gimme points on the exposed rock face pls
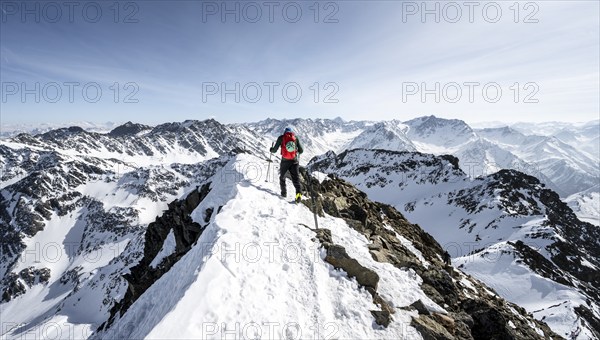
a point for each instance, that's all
(186, 231)
(338, 257)
(15, 283)
(471, 314)
(430, 329)
(128, 129)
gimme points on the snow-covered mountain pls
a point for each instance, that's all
(506, 229)
(71, 229)
(565, 165)
(199, 250)
(383, 135)
(566, 168)
(551, 128)
(436, 135)
(97, 227)
(586, 137)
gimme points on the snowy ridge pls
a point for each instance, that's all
(253, 247)
(221, 286)
(304, 292)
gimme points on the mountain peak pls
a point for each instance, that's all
(63, 132)
(128, 129)
(433, 132)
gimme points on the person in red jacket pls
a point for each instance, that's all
(290, 150)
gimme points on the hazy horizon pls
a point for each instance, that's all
(98, 124)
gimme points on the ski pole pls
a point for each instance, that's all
(269, 164)
(312, 199)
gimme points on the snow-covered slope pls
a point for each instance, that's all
(570, 169)
(230, 257)
(437, 135)
(389, 135)
(586, 205)
(506, 267)
(476, 217)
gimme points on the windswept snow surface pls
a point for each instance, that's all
(257, 272)
(586, 205)
(547, 300)
(167, 249)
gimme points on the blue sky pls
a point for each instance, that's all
(373, 60)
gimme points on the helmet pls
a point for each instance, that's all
(287, 129)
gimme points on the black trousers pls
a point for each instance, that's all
(294, 168)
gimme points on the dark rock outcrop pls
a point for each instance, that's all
(16, 284)
(478, 314)
(337, 256)
(177, 219)
(128, 129)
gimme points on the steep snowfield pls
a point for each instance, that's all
(89, 240)
(586, 205)
(435, 135)
(547, 300)
(257, 272)
(385, 135)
